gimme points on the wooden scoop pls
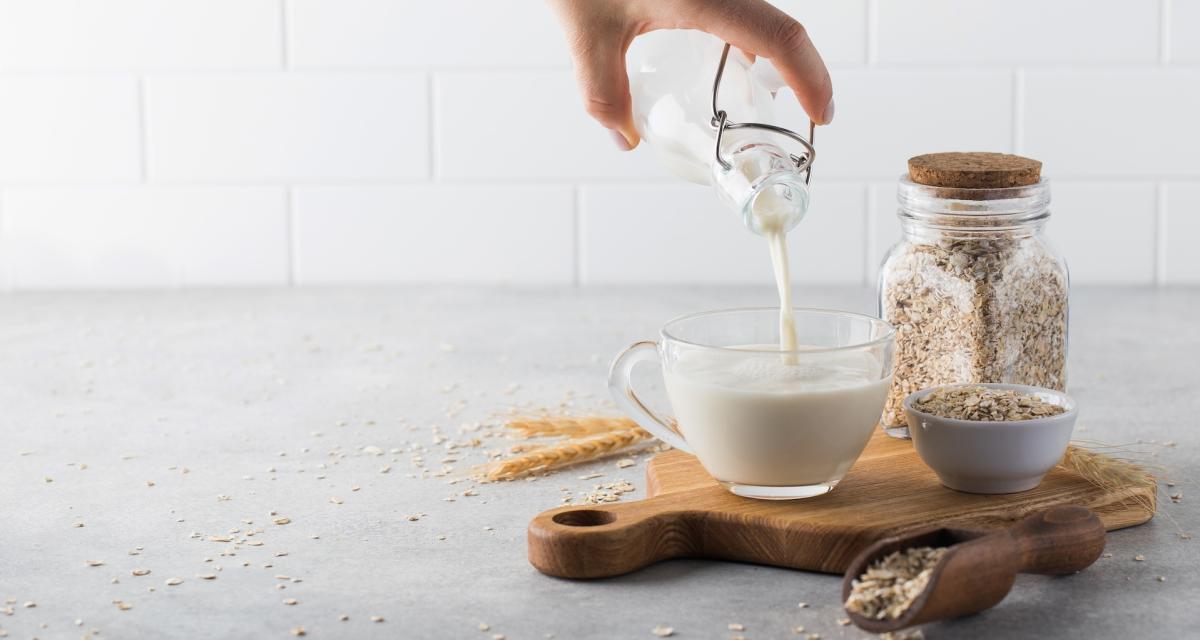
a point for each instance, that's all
(979, 567)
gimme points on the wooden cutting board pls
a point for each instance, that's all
(888, 492)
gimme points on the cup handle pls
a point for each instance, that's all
(621, 388)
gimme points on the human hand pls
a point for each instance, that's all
(599, 33)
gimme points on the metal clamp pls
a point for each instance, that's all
(721, 122)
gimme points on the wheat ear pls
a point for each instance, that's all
(562, 454)
(1110, 473)
(567, 426)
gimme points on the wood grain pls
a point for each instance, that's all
(889, 492)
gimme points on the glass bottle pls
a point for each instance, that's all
(975, 292)
(671, 77)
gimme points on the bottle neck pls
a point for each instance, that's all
(763, 186)
(933, 213)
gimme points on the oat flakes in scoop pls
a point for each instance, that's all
(985, 405)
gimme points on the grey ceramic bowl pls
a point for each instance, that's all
(992, 457)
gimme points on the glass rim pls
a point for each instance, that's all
(888, 334)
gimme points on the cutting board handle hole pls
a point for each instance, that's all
(584, 518)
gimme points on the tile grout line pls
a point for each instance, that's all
(143, 132)
(1165, 11)
(290, 222)
(1018, 115)
(284, 28)
(1160, 235)
(872, 35)
(432, 104)
(554, 182)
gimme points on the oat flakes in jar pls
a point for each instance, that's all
(973, 289)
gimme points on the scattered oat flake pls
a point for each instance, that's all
(1139, 558)
(171, 582)
(734, 626)
(344, 617)
(802, 605)
(336, 500)
(140, 572)
(906, 634)
(221, 538)
(291, 601)
(663, 631)
(625, 463)
(30, 604)
(483, 626)
(124, 606)
(95, 563)
(845, 622)
(798, 629)
(282, 521)
(299, 631)
(376, 618)
(206, 576)
(1161, 578)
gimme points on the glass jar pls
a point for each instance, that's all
(974, 291)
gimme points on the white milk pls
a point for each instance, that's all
(755, 420)
(771, 214)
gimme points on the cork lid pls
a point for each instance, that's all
(974, 170)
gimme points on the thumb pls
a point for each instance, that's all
(604, 85)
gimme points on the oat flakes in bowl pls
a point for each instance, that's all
(990, 438)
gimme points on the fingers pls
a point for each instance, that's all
(758, 27)
(598, 35)
(604, 85)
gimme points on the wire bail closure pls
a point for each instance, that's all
(721, 122)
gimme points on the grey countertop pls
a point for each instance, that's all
(204, 414)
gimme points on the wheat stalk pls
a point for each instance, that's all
(562, 454)
(1110, 473)
(572, 427)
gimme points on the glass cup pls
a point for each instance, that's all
(766, 423)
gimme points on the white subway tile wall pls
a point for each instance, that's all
(164, 143)
(1183, 19)
(665, 233)
(124, 35)
(1178, 251)
(144, 236)
(434, 233)
(968, 32)
(287, 128)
